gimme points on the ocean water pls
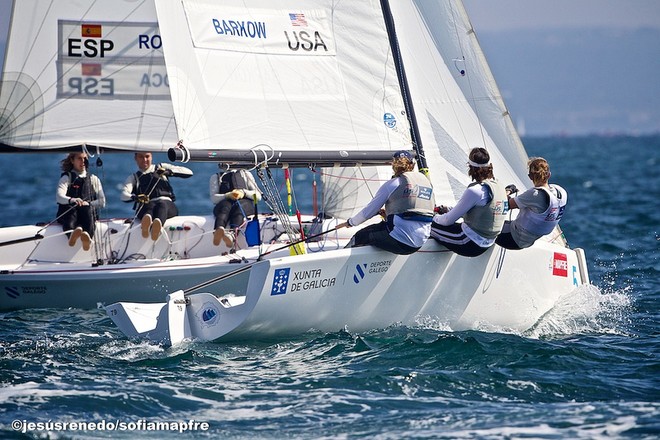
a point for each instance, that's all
(589, 369)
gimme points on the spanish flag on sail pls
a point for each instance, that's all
(91, 69)
(91, 30)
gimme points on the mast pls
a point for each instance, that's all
(403, 83)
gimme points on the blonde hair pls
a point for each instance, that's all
(402, 165)
(539, 170)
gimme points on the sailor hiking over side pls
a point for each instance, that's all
(541, 208)
(482, 206)
(408, 210)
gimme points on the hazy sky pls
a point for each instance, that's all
(489, 15)
(495, 15)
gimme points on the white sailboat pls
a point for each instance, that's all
(92, 75)
(261, 84)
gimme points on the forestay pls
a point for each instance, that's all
(297, 76)
(85, 73)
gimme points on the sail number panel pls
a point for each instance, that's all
(110, 60)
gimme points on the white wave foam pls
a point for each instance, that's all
(132, 351)
(585, 310)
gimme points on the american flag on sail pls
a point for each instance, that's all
(298, 19)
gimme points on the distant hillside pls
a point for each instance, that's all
(578, 81)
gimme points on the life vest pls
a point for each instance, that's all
(412, 199)
(543, 223)
(230, 181)
(153, 185)
(487, 221)
(80, 187)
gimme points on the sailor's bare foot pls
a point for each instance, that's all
(86, 241)
(156, 226)
(218, 235)
(75, 235)
(146, 224)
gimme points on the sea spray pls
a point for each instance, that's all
(587, 310)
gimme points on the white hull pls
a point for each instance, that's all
(498, 290)
(47, 273)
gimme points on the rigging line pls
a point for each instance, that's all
(267, 190)
(277, 205)
(87, 197)
(37, 245)
(135, 187)
(257, 148)
(336, 176)
(500, 262)
(91, 191)
(293, 191)
(249, 265)
(104, 238)
(97, 237)
(364, 179)
(468, 72)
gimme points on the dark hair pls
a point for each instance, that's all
(480, 155)
(67, 163)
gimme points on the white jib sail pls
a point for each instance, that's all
(457, 103)
(457, 107)
(85, 73)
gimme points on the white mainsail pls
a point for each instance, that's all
(85, 73)
(280, 75)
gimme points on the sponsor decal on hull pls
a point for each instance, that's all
(15, 292)
(208, 315)
(560, 265)
(364, 269)
(280, 281)
(300, 281)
